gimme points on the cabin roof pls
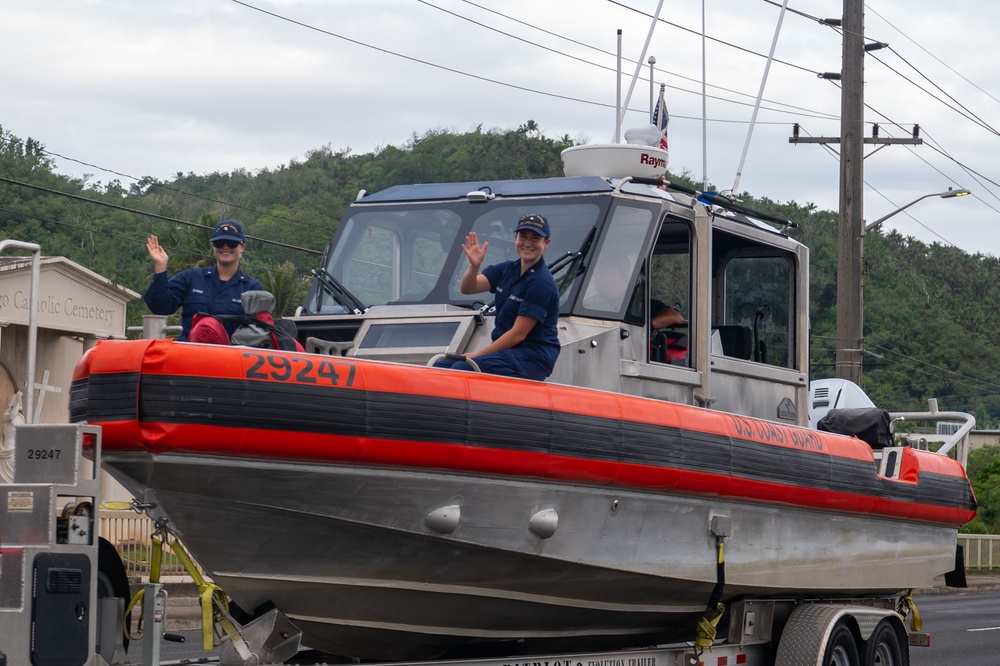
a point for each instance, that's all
(501, 188)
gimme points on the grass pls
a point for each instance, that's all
(139, 556)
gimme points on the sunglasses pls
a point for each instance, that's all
(231, 244)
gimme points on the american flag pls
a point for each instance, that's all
(661, 117)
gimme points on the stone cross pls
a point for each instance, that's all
(43, 388)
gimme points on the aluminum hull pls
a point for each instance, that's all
(355, 564)
(593, 532)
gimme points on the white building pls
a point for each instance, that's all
(76, 308)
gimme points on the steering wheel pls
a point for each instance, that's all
(454, 357)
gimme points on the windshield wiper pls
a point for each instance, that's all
(574, 259)
(339, 292)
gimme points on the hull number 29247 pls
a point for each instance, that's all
(303, 369)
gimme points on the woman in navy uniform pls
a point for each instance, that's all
(525, 336)
(215, 290)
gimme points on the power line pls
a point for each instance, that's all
(513, 85)
(917, 44)
(247, 5)
(81, 227)
(968, 115)
(715, 39)
(835, 155)
(919, 365)
(414, 59)
(967, 168)
(156, 183)
(813, 113)
(146, 214)
(109, 234)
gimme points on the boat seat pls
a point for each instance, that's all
(737, 341)
(669, 346)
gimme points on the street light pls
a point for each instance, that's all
(850, 300)
(944, 195)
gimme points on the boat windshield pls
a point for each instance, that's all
(411, 253)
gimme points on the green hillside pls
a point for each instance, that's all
(930, 310)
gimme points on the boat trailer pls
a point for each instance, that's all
(64, 594)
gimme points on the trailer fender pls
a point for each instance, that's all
(807, 633)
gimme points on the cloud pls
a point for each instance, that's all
(187, 86)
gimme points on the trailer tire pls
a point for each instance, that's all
(112, 579)
(841, 648)
(885, 647)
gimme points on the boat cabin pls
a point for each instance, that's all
(388, 287)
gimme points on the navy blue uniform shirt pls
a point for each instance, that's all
(534, 295)
(198, 290)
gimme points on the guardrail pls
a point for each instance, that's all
(982, 551)
(131, 535)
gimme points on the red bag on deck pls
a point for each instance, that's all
(209, 330)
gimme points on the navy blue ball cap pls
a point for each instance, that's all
(229, 230)
(534, 222)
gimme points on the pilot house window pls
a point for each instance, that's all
(757, 317)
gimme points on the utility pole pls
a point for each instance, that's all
(850, 261)
(850, 246)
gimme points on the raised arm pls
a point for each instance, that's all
(472, 281)
(157, 254)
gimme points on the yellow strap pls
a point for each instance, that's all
(214, 602)
(708, 624)
(185, 559)
(155, 561)
(707, 627)
(206, 591)
(207, 611)
(908, 606)
(210, 595)
(228, 628)
(136, 598)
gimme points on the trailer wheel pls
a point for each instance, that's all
(112, 580)
(885, 648)
(842, 649)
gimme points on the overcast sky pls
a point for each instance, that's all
(148, 88)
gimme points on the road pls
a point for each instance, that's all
(964, 629)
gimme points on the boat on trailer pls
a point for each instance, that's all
(393, 510)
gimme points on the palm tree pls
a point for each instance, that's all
(288, 288)
(191, 246)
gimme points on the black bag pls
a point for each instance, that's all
(869, 424)
(258, 328)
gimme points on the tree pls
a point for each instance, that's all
(930, 310)
(983, 469)
(986, 485)
(289, 289)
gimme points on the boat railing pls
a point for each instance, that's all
(959, 440)
(154, 327)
